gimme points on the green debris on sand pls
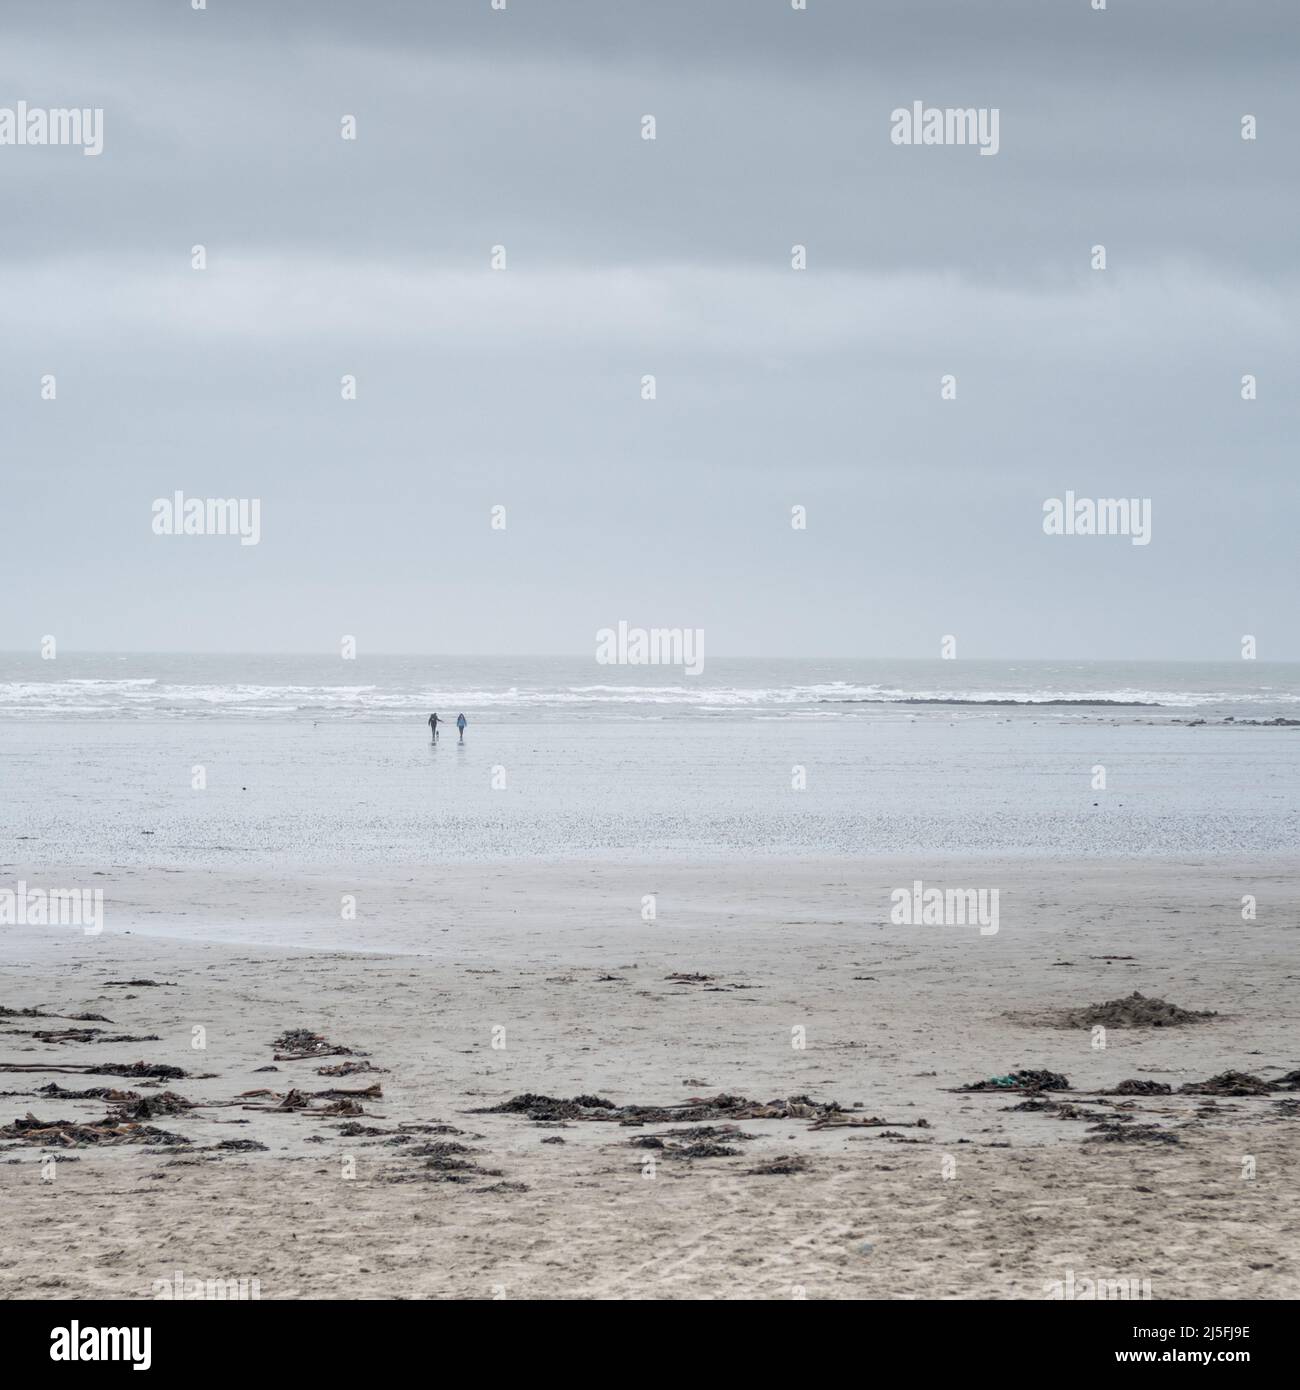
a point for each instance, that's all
(1021, 1081)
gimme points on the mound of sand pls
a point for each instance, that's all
(1135, 1011)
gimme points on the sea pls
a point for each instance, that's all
(260, 760)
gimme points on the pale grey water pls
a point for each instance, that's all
(318, 761)
(395, 688)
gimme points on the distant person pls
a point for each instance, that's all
(461, 721)
(433, 724)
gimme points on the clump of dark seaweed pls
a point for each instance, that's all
(1021, 1081)
(719, 1107)
(1133, 1087)
(1229, 1083)
(68, 1133)
(296, 1044)
(147, 1107)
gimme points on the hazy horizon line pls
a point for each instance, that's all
(588, 656)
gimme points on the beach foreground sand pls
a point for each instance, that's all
(493, 981)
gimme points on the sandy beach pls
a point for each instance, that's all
(480, 983)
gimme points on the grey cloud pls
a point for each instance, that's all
(673, 257)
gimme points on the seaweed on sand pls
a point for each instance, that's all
(297, 1044)
(1229, 1083)
(720, 1107)
(783, 1164)
(89, 1035)
(69, 1133)
(1116, 1132)
(1021, 1081)
(147, 1107)
(1133, 1087)
(156, 1070)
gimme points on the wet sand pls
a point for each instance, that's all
(479, 983)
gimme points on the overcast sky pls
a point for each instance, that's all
(523, 388)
